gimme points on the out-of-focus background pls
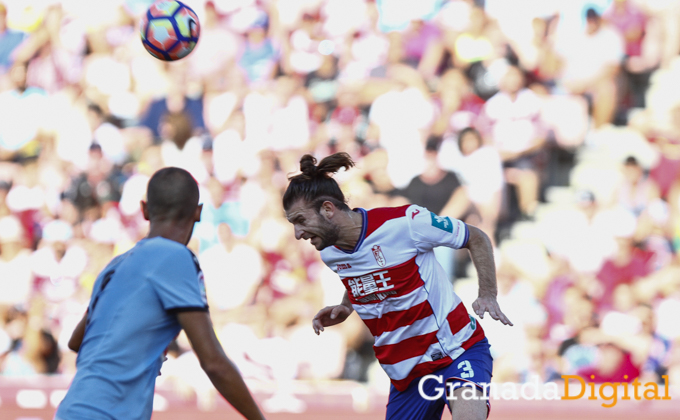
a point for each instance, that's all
(552, 125)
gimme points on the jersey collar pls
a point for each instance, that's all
(362, 236)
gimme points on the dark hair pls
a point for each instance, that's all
(472, 130)
(631, 161)
(50, 352)
(316, 184)
(591, 14)
(181, 127)
(172, 194)
(433, 143)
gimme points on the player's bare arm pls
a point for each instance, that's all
(77, 337)
(332, 315)
(481, 253)
(221, 371)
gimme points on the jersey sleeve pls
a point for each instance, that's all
(429, 230)
(179, 282)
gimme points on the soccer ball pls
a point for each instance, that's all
(169, 30)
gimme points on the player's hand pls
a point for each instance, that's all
(330, 315)
(489, 304)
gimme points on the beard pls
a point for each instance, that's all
(328, 234)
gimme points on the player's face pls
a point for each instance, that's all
(311, 225)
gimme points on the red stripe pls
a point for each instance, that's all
(390, 354)
(426, 368)
(404, 278)
(376, 217)
(393, 320)
(458, 318)
(477, 336)
(421, 369)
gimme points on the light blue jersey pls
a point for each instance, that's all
(131, 320)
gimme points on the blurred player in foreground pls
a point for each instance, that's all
(139, 303)
(385, 260)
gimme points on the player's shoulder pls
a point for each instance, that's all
(387, 213)
(168, 250)
(421, 218)
(376, 218)
(406, 213)
(164, 243)
(416, 213)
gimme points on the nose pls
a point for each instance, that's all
(298, 233)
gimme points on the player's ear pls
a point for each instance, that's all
(197, 213)
(327, 209)
(145, 210)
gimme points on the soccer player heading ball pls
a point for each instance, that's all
(386, 262)
(139, 303)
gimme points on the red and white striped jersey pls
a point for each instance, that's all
(401, 292)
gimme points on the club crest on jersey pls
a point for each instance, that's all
(379, 256)
(442, 222)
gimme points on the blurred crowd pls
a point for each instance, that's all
(554, 126)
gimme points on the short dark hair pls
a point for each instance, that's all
(316, 184)
(433, 143)
(172, 194)
(631, 161)
(591, 14)
(472, 130)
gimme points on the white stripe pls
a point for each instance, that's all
(419, 327)
(440, 292)
(391, 304)
(450, 341)
(399, 371)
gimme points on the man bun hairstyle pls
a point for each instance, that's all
(172, 194)
(315, 183)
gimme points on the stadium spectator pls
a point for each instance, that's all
(457, 105)
(480, 51)
(628, 265)
(436, 188)
(19, 135)
(34, 350)
(9, 41)
(260, 56)
(400, 119)
(537, 54)
(231, 253)
(52, 63)
(58, 263)
(439, 191)
(419, 42)
(510, 121)
(175, 102)
(15, 263)
(322, 85)
(277, 119)
(480, 170)
(642, 36)
(636, 190)
(219, 208)
(216, 52)
(591, 65)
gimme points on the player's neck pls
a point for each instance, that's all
(178, 232)
(350, 232)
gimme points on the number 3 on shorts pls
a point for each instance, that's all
(467, 369)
